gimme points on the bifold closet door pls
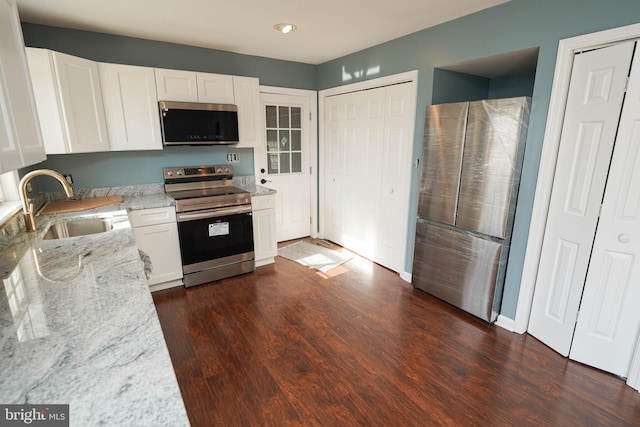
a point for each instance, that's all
(591, 120)
(367, 162)
(588, 286)
(609, 320)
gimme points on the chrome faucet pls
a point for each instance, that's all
(27, 207)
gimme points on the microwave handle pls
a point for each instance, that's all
(212, 213)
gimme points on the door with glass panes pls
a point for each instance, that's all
(283, 162)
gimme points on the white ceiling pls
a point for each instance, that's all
(327, 29)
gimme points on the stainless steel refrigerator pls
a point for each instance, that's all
(471, 164)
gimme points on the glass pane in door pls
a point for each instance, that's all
(271, 115)
(284, 139)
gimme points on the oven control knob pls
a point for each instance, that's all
(218, 170)
(169, 173)
(226, 170)
(178, 172)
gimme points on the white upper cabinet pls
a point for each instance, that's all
(20, 140)
(215, 88)
(131, 107)
(247, 97)
(69, 102)
(176, 85)
(190, 86)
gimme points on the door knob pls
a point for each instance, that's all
(264, 181)
(624, 238)
(262, 170)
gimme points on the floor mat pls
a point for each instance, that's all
(314, 256)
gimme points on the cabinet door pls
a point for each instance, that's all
(81, 99)
(264, 236)
(250, 122)
(20, 140)
(131, 107)
(161, 243)
(176, 85)
(46, 97)
(215, 88)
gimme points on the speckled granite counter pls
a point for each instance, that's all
(78, 326)
(248, 183)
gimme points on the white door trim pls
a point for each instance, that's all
(406, 77)
(564, 61)
(313, 144)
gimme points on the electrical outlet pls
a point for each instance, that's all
(69, 178)
(233, 157)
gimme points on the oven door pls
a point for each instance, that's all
(215, 236)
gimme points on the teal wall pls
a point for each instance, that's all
(95, 170)
(513, 26)
(449, 86)
(148, 53)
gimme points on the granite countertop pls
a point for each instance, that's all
(79, 327)
(257, 190)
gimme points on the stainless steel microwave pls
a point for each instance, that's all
(193, 123)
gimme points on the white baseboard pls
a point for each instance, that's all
(405, 276)
(265, 261)
(506, 323)
(166, 285)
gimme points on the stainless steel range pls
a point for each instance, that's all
(215, 225)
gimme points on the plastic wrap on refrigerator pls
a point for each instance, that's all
(458, 268)
(472, 160)
(443, 143)
(491, 164)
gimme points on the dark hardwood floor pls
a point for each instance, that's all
(358, 346)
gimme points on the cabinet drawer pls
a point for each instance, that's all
(263, 202)
(144, 217)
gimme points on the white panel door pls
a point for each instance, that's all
(246, 92)
(283, 162)
(215, 88)
(335, 141)
(131, 107)
(161, 243)
(394, 191)
(82, 104)
(368, 163)
(589, 130)
(364, 127)
(176, 85)
(609, 320)
(20, 139)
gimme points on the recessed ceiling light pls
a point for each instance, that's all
(285, 28)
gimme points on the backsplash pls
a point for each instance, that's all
(125, 190)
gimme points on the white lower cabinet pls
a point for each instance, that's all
(156, 234)
(264, 229)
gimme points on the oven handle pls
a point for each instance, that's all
(212, 213)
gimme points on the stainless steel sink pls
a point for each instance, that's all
(78, 227)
